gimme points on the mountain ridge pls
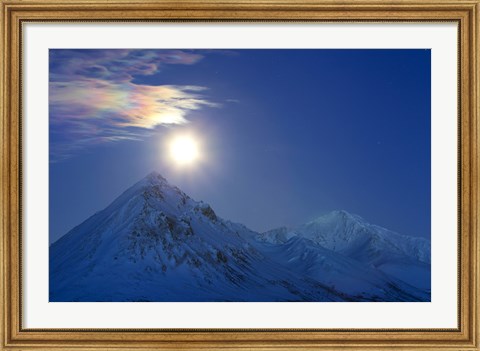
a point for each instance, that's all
(354, 237)
(155, 243)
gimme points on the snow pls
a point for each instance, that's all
(155, 243)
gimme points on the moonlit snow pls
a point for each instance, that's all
(155, 243)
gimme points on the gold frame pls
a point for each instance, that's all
(16, 12)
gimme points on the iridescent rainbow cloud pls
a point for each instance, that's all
(93, 97)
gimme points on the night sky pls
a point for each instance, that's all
(285, 135)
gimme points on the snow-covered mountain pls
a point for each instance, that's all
(155, 243)
(404, 257)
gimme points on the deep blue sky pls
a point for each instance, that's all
(287, 134)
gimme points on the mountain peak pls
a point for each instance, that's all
(339, 215)
(155, 177)
(154, 180)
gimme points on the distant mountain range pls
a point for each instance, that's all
(155, 243)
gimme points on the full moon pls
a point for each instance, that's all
(184, 150)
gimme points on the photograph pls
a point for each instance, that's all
(239, 175)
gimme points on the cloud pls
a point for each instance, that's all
(94, 97)
(113, 64)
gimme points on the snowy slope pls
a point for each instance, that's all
(155, 243)
(360, 281)
(403, 257)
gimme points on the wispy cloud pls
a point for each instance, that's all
(94, 98)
